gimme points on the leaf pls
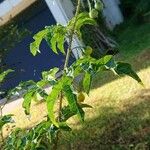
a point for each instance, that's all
(4, 74)
(85, 106)
(27, 101)
(42, 83)
(22, 86)
(82, 19)
(42, 93)
(126, 69)
(79, 17)
(67, 113)
(104, 60)
(58, 38)
(38, 37)
(83, 15)
(87, 82)
(72, 101)
(85, 21)
(60, 43)
(51, 99)
(50, 75)
(54, 43)
(5, 119)
(48, 36)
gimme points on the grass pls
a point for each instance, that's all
(133, 39)
(120, 118)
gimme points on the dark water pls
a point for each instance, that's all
(21, 60)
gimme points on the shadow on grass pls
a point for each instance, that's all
(115, 129)
(139, 62)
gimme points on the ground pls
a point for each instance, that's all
(120, 117)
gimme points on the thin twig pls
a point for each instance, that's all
(71, 35)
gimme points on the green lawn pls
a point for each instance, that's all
(120, 117)
(133, 39)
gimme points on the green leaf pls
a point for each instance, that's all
(27, 101)
(49, 34)
(38, 37)
(85, 106)
(42, 93)
(54, 43)
(87, 82)
(67, 113)
(126, 69)
(71, 98)
(104, 60)
(52, 97)
(60, 43)
(51, 100)
(79, 17)
(4, 74)
(5, 119)
(50, 75)
(82, 19)
(85, 21)
(72, 101)
(83, 15)
(42, 83)
(58, 38)
(22, 86)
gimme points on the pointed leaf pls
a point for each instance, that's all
(60, 43)
(5, 119)
(126, 69)
(85, 105)
(38, 37)
(27, 101)
(104, 60)
(50, 75)
(54, 43)
(4, 74)
(85, 21)
(51, 100)
(72, 101)
(58, 38)
(67, 113)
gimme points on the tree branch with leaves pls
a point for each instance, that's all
(65, 93)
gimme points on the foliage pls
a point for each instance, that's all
(135, 9)
(12, 30)
(46, 134)
(6, 118)
(4, 74)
